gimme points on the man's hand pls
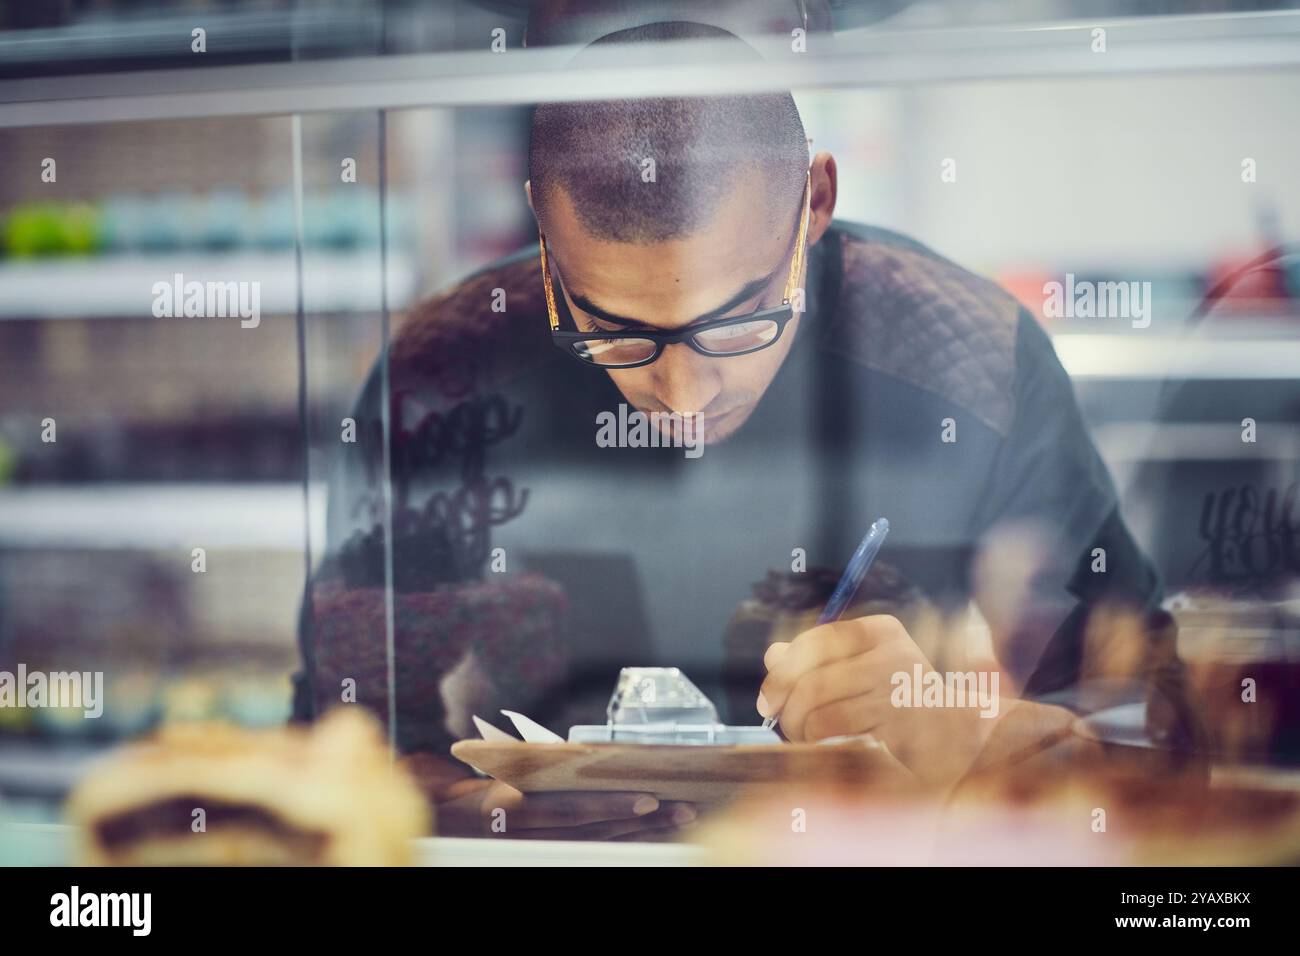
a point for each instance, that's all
(834, 680)
(495, 809)
(474, 806)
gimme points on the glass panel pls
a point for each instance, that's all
(346, 623)
(123, 36)
(580, 537)
(151, 519)
(283, 429)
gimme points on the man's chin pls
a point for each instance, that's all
(718, 428)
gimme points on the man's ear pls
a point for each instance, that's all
(825, 189)
(528, 194)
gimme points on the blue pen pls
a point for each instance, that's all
(850, 581)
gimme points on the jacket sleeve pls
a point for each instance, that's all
(1089, 633)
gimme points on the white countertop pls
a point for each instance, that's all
(48, 844)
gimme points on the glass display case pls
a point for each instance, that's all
(282, 426)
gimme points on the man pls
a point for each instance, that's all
(810, 376)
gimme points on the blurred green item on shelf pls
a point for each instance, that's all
(32, 230)
(221, 220)
(81, 229)
(16, 720)
(8, 463)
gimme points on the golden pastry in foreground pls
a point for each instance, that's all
(1070, 817)
(322, 795)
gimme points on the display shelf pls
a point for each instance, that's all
(1137, 355)
(120, 286)
(159, 517)
(35, 770)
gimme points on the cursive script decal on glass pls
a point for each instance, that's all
(1250, 535)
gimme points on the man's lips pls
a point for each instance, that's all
(708, 414)
(703, 423)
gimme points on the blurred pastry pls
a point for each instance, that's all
(1027, 817)
(216, 794)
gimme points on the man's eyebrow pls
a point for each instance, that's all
(747, 292)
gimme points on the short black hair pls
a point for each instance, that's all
(595, 152)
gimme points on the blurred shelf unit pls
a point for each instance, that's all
(1271, 352)
(30, 768)
(98, 248)
(1124, 443)
(121, 286)
(108, 517)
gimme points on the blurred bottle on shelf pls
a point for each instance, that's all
(32, 230)
(219, 221)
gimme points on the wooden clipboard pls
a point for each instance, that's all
(699, 774)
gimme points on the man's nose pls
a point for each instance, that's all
(686, 381)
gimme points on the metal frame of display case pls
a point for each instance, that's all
(856, 58)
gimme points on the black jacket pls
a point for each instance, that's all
(619, 556)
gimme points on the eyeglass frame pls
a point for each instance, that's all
(781, 314)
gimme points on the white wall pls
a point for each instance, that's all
(1074, 173)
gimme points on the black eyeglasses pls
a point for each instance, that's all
(737, 335)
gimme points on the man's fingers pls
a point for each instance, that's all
(664, 824)
(770, 657)
(668, 817)
(817, 647)
(565, 809)
(838, 681)
(854, 715)
(774, 652)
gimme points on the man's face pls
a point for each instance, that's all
(736, 264)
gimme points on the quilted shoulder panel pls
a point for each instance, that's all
(458, 342)
(901, 311)
(908, 313)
